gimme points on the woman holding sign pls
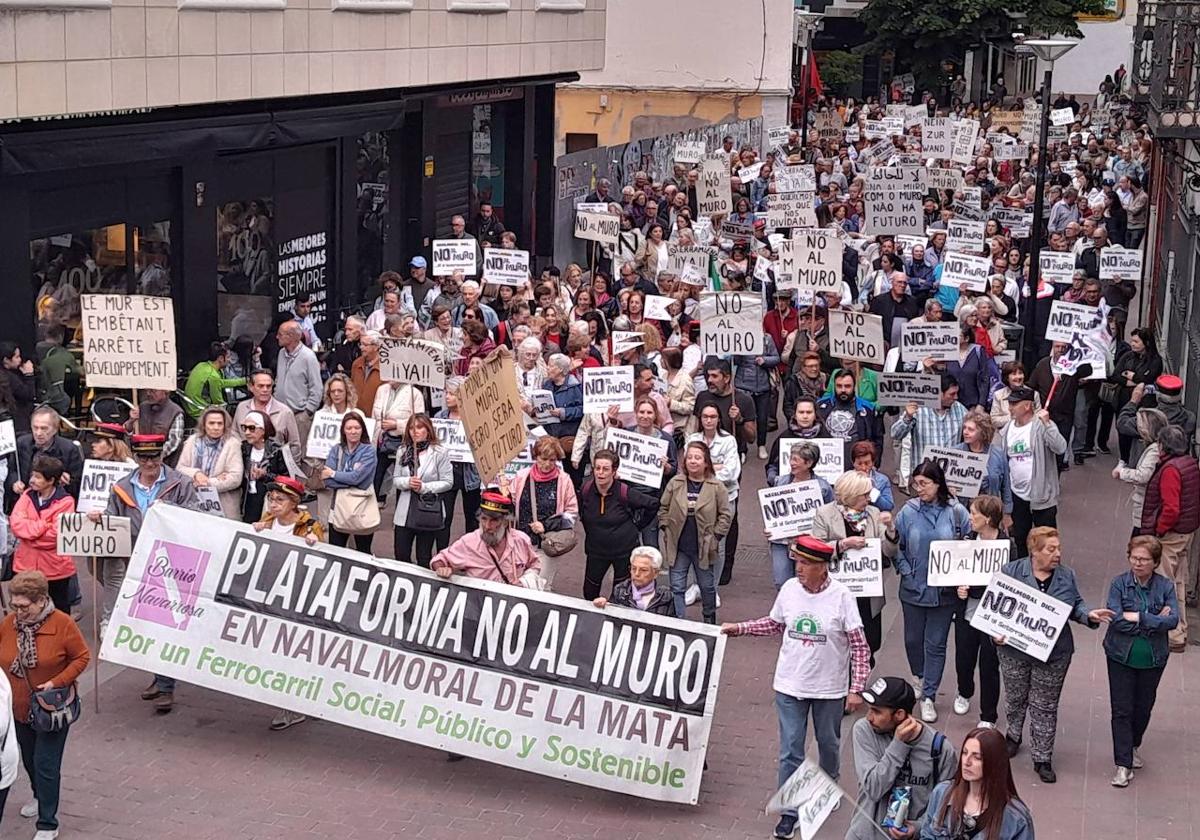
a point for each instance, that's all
(1033, 687)
(211, 458)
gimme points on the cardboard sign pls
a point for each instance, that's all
(811, 793)
(681, 257)
(963, 147)
(451, 255)
(79, 536)
(1061, 116)
(937, 137)
(788, 511)
(900, 389)
(1029, 620)
(656, 307)
(1067, 320)
(791, 210)
(490, 404)
(598, 227)
(8, 437)
(966, 271)
(731, 324)
(930, 341)
(829, 125)
(96, 483)
(796, 179)
(690, 151)
(1010, 120)
(452, 435)
(894, 209)
(208, 501)
(944, 179)
(412, 361)
(833, 456)
(607, 386)
(505, 266)
(856, 335)
(640, 455)
(811, 259)
(1120, 264)
(1031, 122)
(713, 187)
(964, 470)
(128, 341)
(964, 235)
(966, 562)
(861, 569)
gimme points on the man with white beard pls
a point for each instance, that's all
(495, 551)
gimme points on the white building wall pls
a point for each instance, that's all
(1105, 45)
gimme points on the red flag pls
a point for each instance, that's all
(815, 88)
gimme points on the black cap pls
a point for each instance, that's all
(1020, 394)
(891, 693)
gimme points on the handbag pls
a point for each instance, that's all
(1110, 392)
(425, 512)
(52, 709)
(354, 511)
(554, 543)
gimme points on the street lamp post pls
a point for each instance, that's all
(1048, 50)
(804, 24)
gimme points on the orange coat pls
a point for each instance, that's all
(37, 535)
(62, 657)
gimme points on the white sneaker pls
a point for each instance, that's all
(928, 712)
(30, 809)
(762, 453)
(718, 600)
(1138, 764)
(961, 705)
(46, 834)
(918, 683)
(692, 595)
(985, 724)
(103, 630)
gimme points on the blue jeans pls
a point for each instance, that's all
(793, 730)
(165, 685)
(783, 568)
(926, 630)
(705, 579)
(650, 533)
(42, 754)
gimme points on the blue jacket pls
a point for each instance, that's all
(354, 470)
(995, 482)
(1017, 825)
(1125, 595)
(918, 524)
(752, 378)
(569, 397)
(884, 501)
(1062, 587)
(974, 379)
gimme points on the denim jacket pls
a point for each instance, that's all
(1062, 587)
(1017, 825)
(356, 469)
(995, 481)
(919, 524)
(1123, 597)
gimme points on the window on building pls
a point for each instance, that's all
(245, 267)
(581, 142)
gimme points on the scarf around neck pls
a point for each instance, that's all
(27, 656)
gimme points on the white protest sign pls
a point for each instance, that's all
(962, 149)
(324, 434)
(964, 235)
(906, 241)
(929, 341)
(964, 470)
(966, 271)
(789, 510)
(713, 190)
(451, 255)
(811, 793)
(937, 137)
(875, 129)
(833, 456)
(453, 437)
(1083, 350)
(791, 210)
(505, 266)
(1010, 151)
(598, 227)
(796, 179)
(893, 201)
(542, 403)
(878, 154)
(1058, 266)
(605, 386)
(1029, 620)
(641, 456)
(856, 335)
(625, 340)
(1031, 120)
(690, 151)
(592, 207)
(972, 196)
(966, 562)
(914, 115)
(811, 259)
(829, 125)
(8, 437)
(128, 341)
(860, 569)
(209, 502)
(96, 483)
(731, 324)
(1120, 264)
(1070, 319)
(79, 536)
(778, 136)
(1061, 116)
(746, 174)
(657, 307)
(944, 179)
(412, 361)
(680, 257)
(899, 389)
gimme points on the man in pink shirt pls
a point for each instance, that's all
(495, 551)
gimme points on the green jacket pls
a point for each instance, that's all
(206, 386)
(60, 378)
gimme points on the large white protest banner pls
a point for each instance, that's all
(451, 255)
(899, 389)
(520, 678)
(452, 435)
(412, 361)
(856, 335)
(731, 324)
(605, 386)
(964, 235)
(860, 569)
(8, 437)
(690, 151)
(128, 341)
(795, 179)
(713, 190)
(789, 510)
(811, 794)
(943, 179)
(893, 201)
(641, 457)
(1120, 264)
(937, 137)
(1068, 320)
(657, 307)
(966, 271)
(505, 266)
(79, 536)
(326, 432)
(929, 341)
(490, 404)
(681, 257)
(833, 456)
(966, 562)
(1029, 620)
(964, 470)
(96, 483)
(1057, 266)
(962, 148)
(791, 210)
(598, 227)
(811, 259)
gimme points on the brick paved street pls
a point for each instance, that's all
(212, 769)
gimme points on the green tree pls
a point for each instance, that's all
(925, 33)
(841, 71)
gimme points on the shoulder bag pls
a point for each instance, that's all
(52, 709)
(554, 543)
(426, 511)
(354, 511)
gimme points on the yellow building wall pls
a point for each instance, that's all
(633, 115)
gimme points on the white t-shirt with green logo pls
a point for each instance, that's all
(814, 657)
(1020, 458)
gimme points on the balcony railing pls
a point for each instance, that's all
(1143, 50)
(1174, 78)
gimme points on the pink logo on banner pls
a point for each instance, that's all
(170, 585)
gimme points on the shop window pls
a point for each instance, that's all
(245, 267)
(371, 172)
(152, 259)
(487, 160)
(478, 5)
(560, 5)
(67, 265)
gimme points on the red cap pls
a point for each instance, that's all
(812, 548)
(1170, 384)
(110, 430)
(147, 444)
(287, 484)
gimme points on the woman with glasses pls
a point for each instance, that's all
(981, 801)
(262, 462)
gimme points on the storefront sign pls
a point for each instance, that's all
(856, 335)
(641, 457)
(96, 483)
(79, 536)
(303, 267)
(860, 569)
(900, 389)
(453, 438)
(788, 511)
(482, 96)
(129, 341)
(490, 404)
(964, 470)
(523, 679)
(607, 386)
(505, 266)
(412, 361)
(1029, 620)
(929, 341)
(966, 562)
(451, 255)
(731, 324)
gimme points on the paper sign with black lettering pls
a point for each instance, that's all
(860, 569)
(453, 438)
(900, 389)
(731, 324)
(1011, 151)
(966, 562)
(1067, 320)
(1057, 266)
(811, 794)
(1084, 349)
(97, 481)
(208, 501)
(8, 437)
(598, 227)
(490, 404)
(607, 386)
(962, 149)
(326, 433)
(812, 260)
(905, 243)
(789, 510)
(625, 340)
(1031, 120)
(791, 210)
(680, 257)
(829, 125)
(79, 536)
(937, 137)
(713, 190)
(795, 179)
(856, 335)
(690, 151)
(778, 136)
(966, 271)
(929, 341)
(128, 341)
(943, 179)
(964, 235)
(505, 266)
(914, 115)
(1029, 620)
(657, 307)
(641, 456)
(964, 470)
(1120, 264)
(451, 255)
(1061, 116)
(893, 201)
(833, 456)
(412, 361)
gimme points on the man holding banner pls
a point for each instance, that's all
(495, 551)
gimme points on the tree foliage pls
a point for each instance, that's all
(841, 71)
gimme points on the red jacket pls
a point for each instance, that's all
(778, 328)
(1172, 498)
(37, 535)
